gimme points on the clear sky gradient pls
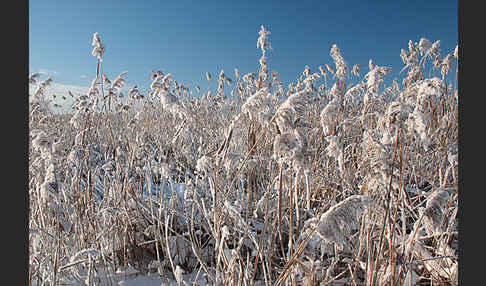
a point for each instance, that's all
(189, 38)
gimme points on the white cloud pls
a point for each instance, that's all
(44, 72)
(61, 90)
(83, 76)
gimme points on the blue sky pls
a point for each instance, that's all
(189, 38)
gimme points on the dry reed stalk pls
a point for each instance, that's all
(291, 219)
(251, 189)
(296, 201)
(293, 259)
(280, 202)
(384, 223)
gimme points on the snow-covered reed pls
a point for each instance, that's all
(329, 180)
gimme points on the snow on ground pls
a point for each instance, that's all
(155, 280)
(132, 277)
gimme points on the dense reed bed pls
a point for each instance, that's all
(333, 180)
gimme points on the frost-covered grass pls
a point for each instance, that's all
(333, 179)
